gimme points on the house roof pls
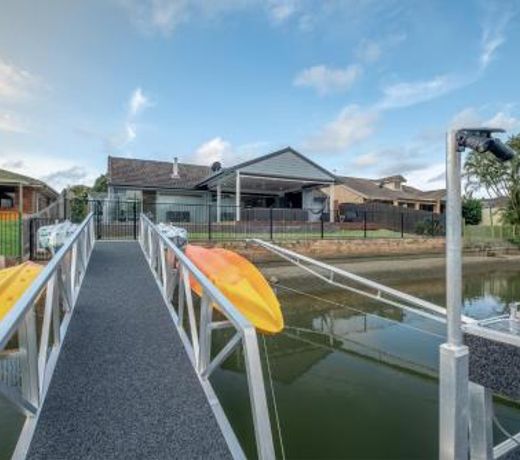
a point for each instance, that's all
(154, 174)
(10, 177)
(374, 190)
(498, 202)
(287, 150)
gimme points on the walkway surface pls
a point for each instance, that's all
(123, 386)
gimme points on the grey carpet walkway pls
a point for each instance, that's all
(123, 385)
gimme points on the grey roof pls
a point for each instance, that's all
(10, 177)
(154, 174)
(285, 150)
(374, 190)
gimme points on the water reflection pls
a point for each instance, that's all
(357, 379)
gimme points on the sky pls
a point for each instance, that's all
(363, 87)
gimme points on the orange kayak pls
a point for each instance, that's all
(241, 283)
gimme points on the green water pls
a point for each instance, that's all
(348, 383)
(353, 385)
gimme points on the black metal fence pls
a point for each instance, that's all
(118, 219)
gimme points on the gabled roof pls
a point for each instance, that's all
(246, 165)
(372, 189)
(10, 177)
(154, 174)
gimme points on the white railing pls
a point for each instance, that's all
(173, 272)
(55, 290)
(376, 291)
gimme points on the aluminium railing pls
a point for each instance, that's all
(173, 270)
(376, 291)
(56, 288)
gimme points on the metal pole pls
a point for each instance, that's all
(209, 222)
(135, 220)
(453, 369)
(402, 224)
(331, 203)
(322, 225)
(365, 223)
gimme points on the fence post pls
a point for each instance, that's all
(209, 222)
(135, 219)
(402, 224)
(365, 223)
(98, 207)
(31, 238)
(322, 226)
(271, 223)
(65, 206)
(433, 224)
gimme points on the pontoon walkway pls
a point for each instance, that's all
(124, 386)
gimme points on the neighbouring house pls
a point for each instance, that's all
(493, 210)
(388, 190)
(283, 179)
(24, 194)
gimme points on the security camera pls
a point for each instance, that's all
(481, 140)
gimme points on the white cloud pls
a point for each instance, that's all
(138, 102)
(352, 125)
(472, 117)
(216, 149)
(368, 159)
(326, 80)
(281, 10)
(505, 121)
(57, 171)
(406, 94)
(11, 123)
(431, 177)
(15, 83)
(496, 19)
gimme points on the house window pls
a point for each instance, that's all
(426, 207)
(7, 198)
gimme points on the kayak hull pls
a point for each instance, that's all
(241, 283)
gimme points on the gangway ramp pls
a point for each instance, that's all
(123, 386)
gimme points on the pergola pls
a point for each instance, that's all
(274, 175)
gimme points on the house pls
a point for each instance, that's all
(24, 194)
(493, 210)
(389, 190)
(282, 179)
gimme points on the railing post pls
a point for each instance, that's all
(29, 347)
(206, 311)
(255, 381)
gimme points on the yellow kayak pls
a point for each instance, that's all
(13, 283)
(241, 283)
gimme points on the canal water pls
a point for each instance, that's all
(351, 378)
(355, 379)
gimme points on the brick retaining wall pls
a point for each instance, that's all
(341, 249)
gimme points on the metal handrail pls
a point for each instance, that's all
(60, 280)
(433, 311)
(172, 269)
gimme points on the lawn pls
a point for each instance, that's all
(9, 238)
(301, 235)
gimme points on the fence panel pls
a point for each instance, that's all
(10, 234)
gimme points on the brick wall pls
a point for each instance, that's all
(341, 249)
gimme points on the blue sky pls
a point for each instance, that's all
(365, 88)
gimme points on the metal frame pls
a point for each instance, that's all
(381, 293)
(172, 269)
(60, 281)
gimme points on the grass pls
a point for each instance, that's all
(301, 235)
(9, 238)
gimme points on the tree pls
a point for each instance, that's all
(472, 211)
(101, 184)
(484, 171)
(78, 202)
